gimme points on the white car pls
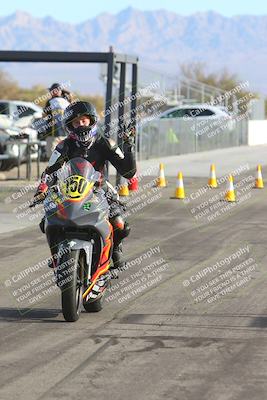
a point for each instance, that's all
(201, 112)
(195, 111)
(16, 118)
(20, 111)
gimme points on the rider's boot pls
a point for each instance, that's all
(120, 232)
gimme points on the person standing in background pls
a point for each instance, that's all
(67, 95)
(53, 111)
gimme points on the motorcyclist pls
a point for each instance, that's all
(84, 140)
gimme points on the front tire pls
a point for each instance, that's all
(69, 272)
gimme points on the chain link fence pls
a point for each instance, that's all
(168, 137)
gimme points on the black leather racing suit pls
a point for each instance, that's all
(101, 151)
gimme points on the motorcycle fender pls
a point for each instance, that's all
(77, 244)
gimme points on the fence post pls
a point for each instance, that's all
(38, 160)
(121, 124)
(196, 137)
(19, 159)
(29, 169)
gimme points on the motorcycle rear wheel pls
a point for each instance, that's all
(95, 306)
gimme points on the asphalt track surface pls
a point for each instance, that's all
(193, 327)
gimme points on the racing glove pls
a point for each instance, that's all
(41, 190)
(129, 134)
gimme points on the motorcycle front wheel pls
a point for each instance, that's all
(70, 281)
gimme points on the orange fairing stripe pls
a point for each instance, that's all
(104, 262)
(105, 256)
(96, 276)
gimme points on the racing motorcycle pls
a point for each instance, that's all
(81, 236)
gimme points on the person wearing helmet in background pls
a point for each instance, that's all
(53, 112)
(84, 140)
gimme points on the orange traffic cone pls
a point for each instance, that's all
(161, 181)
(259, 181)
(230, 192)
(179, 191)
(212, 180)
(124, 191)
(133, 183)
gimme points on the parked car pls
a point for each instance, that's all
(16, 128)
(201, 112)
(22, 111)
(13, 142)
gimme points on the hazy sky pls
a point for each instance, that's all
(80, 10)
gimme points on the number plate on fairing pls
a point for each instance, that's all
(76, 187)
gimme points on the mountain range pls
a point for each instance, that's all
(162, 39)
